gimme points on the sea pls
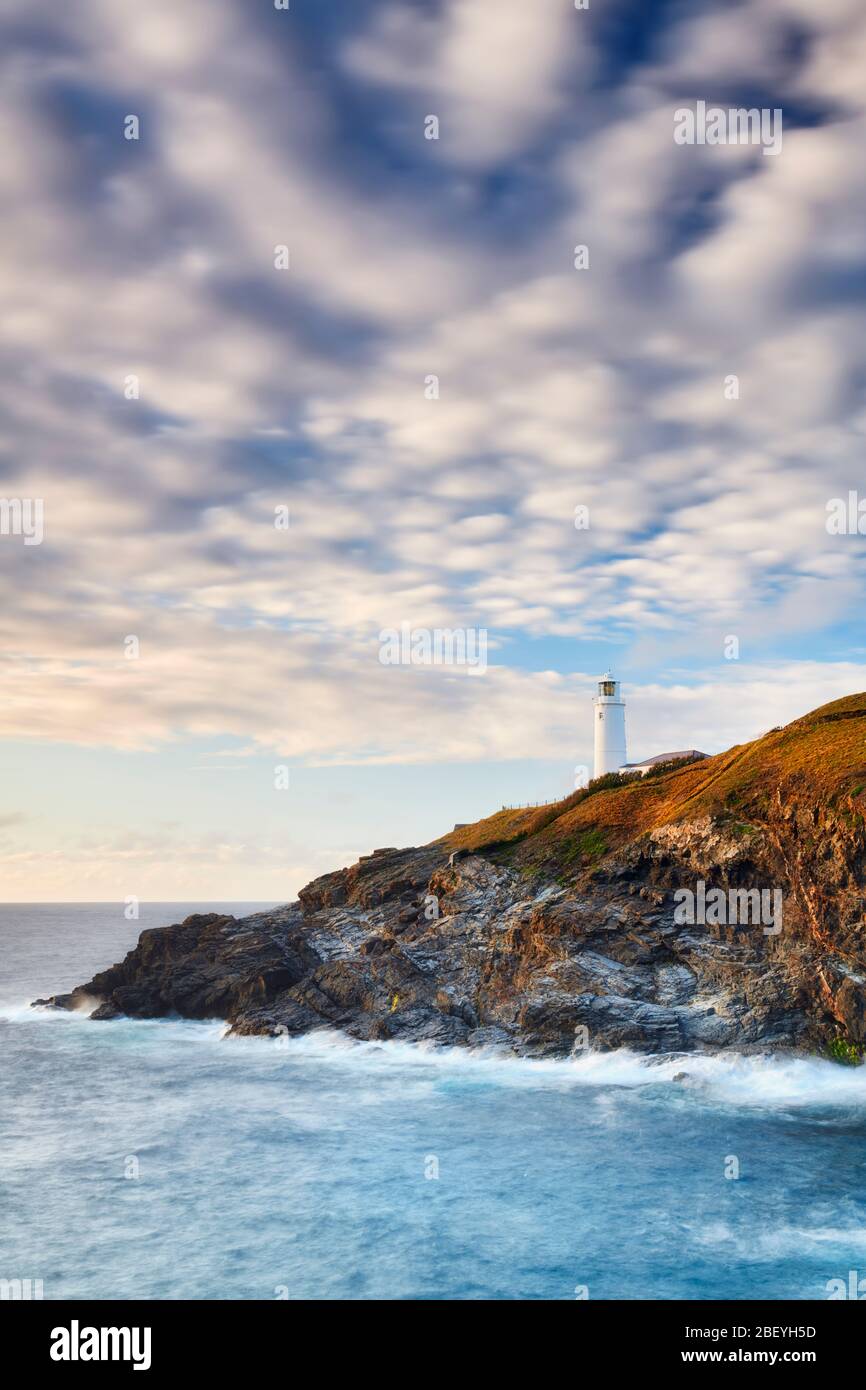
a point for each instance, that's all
(163, 1160)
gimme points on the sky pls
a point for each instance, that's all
(287, 371)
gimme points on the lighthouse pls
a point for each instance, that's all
(609, 722)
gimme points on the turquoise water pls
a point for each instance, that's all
(160, 1159)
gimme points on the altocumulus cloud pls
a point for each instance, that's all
(452, 258)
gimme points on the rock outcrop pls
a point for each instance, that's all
(562, 933)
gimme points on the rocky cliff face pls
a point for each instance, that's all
(404, 945)
(563, 934)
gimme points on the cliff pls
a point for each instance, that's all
(566, 927)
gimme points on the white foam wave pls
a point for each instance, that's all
(730, 1077)
(726, 1078)
(784, 1242)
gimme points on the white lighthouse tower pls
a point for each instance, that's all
(609, 722)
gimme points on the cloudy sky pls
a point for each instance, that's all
(259, 388)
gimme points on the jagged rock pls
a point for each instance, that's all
(493, 967)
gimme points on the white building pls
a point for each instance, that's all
(648, 763)
(609, 723)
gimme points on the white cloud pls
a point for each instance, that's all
(493, 74)
(559, 387)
